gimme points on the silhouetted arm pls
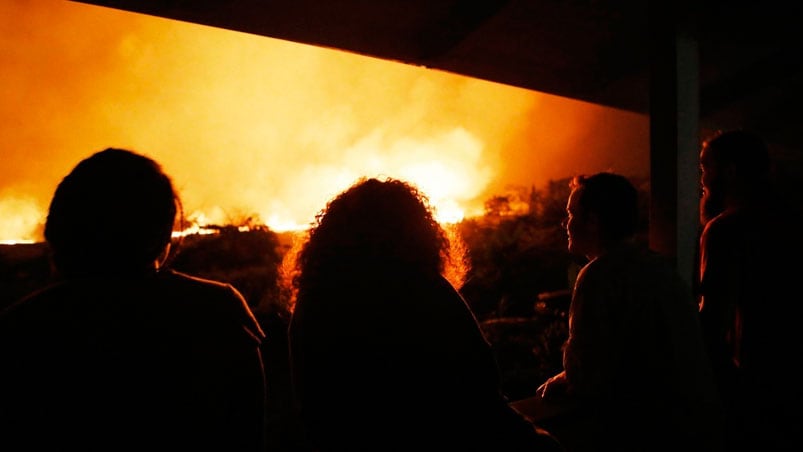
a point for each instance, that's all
(719, 288)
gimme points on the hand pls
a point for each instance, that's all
(553, 386)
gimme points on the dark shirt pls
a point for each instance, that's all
(635, 357)
(750, 268)
(399, 363)
(162, 361)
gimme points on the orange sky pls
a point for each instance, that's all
(246, 124)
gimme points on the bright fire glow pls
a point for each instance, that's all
(21, 220)
(256, 128)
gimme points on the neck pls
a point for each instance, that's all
(603, 247)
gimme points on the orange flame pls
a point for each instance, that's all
(21, 220)
(253, 127)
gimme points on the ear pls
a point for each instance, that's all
(593, 227)
(592, 221)
(729, 172)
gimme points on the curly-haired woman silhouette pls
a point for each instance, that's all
(386, 354)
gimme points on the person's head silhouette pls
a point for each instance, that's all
(380, 222)
(602, 210)
(735, 168)
(113, 213)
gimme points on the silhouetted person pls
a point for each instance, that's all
(122, 353)
(750, 251)
(386, 355)
(285, 430)
(636, 376)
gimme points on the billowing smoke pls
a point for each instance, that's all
(253, 126)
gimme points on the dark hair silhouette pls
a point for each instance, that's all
(374, 226)
(735, 167)
(745, 151)
(613, 199)
(115, 211)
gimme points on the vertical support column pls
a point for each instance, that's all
(674, 140)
